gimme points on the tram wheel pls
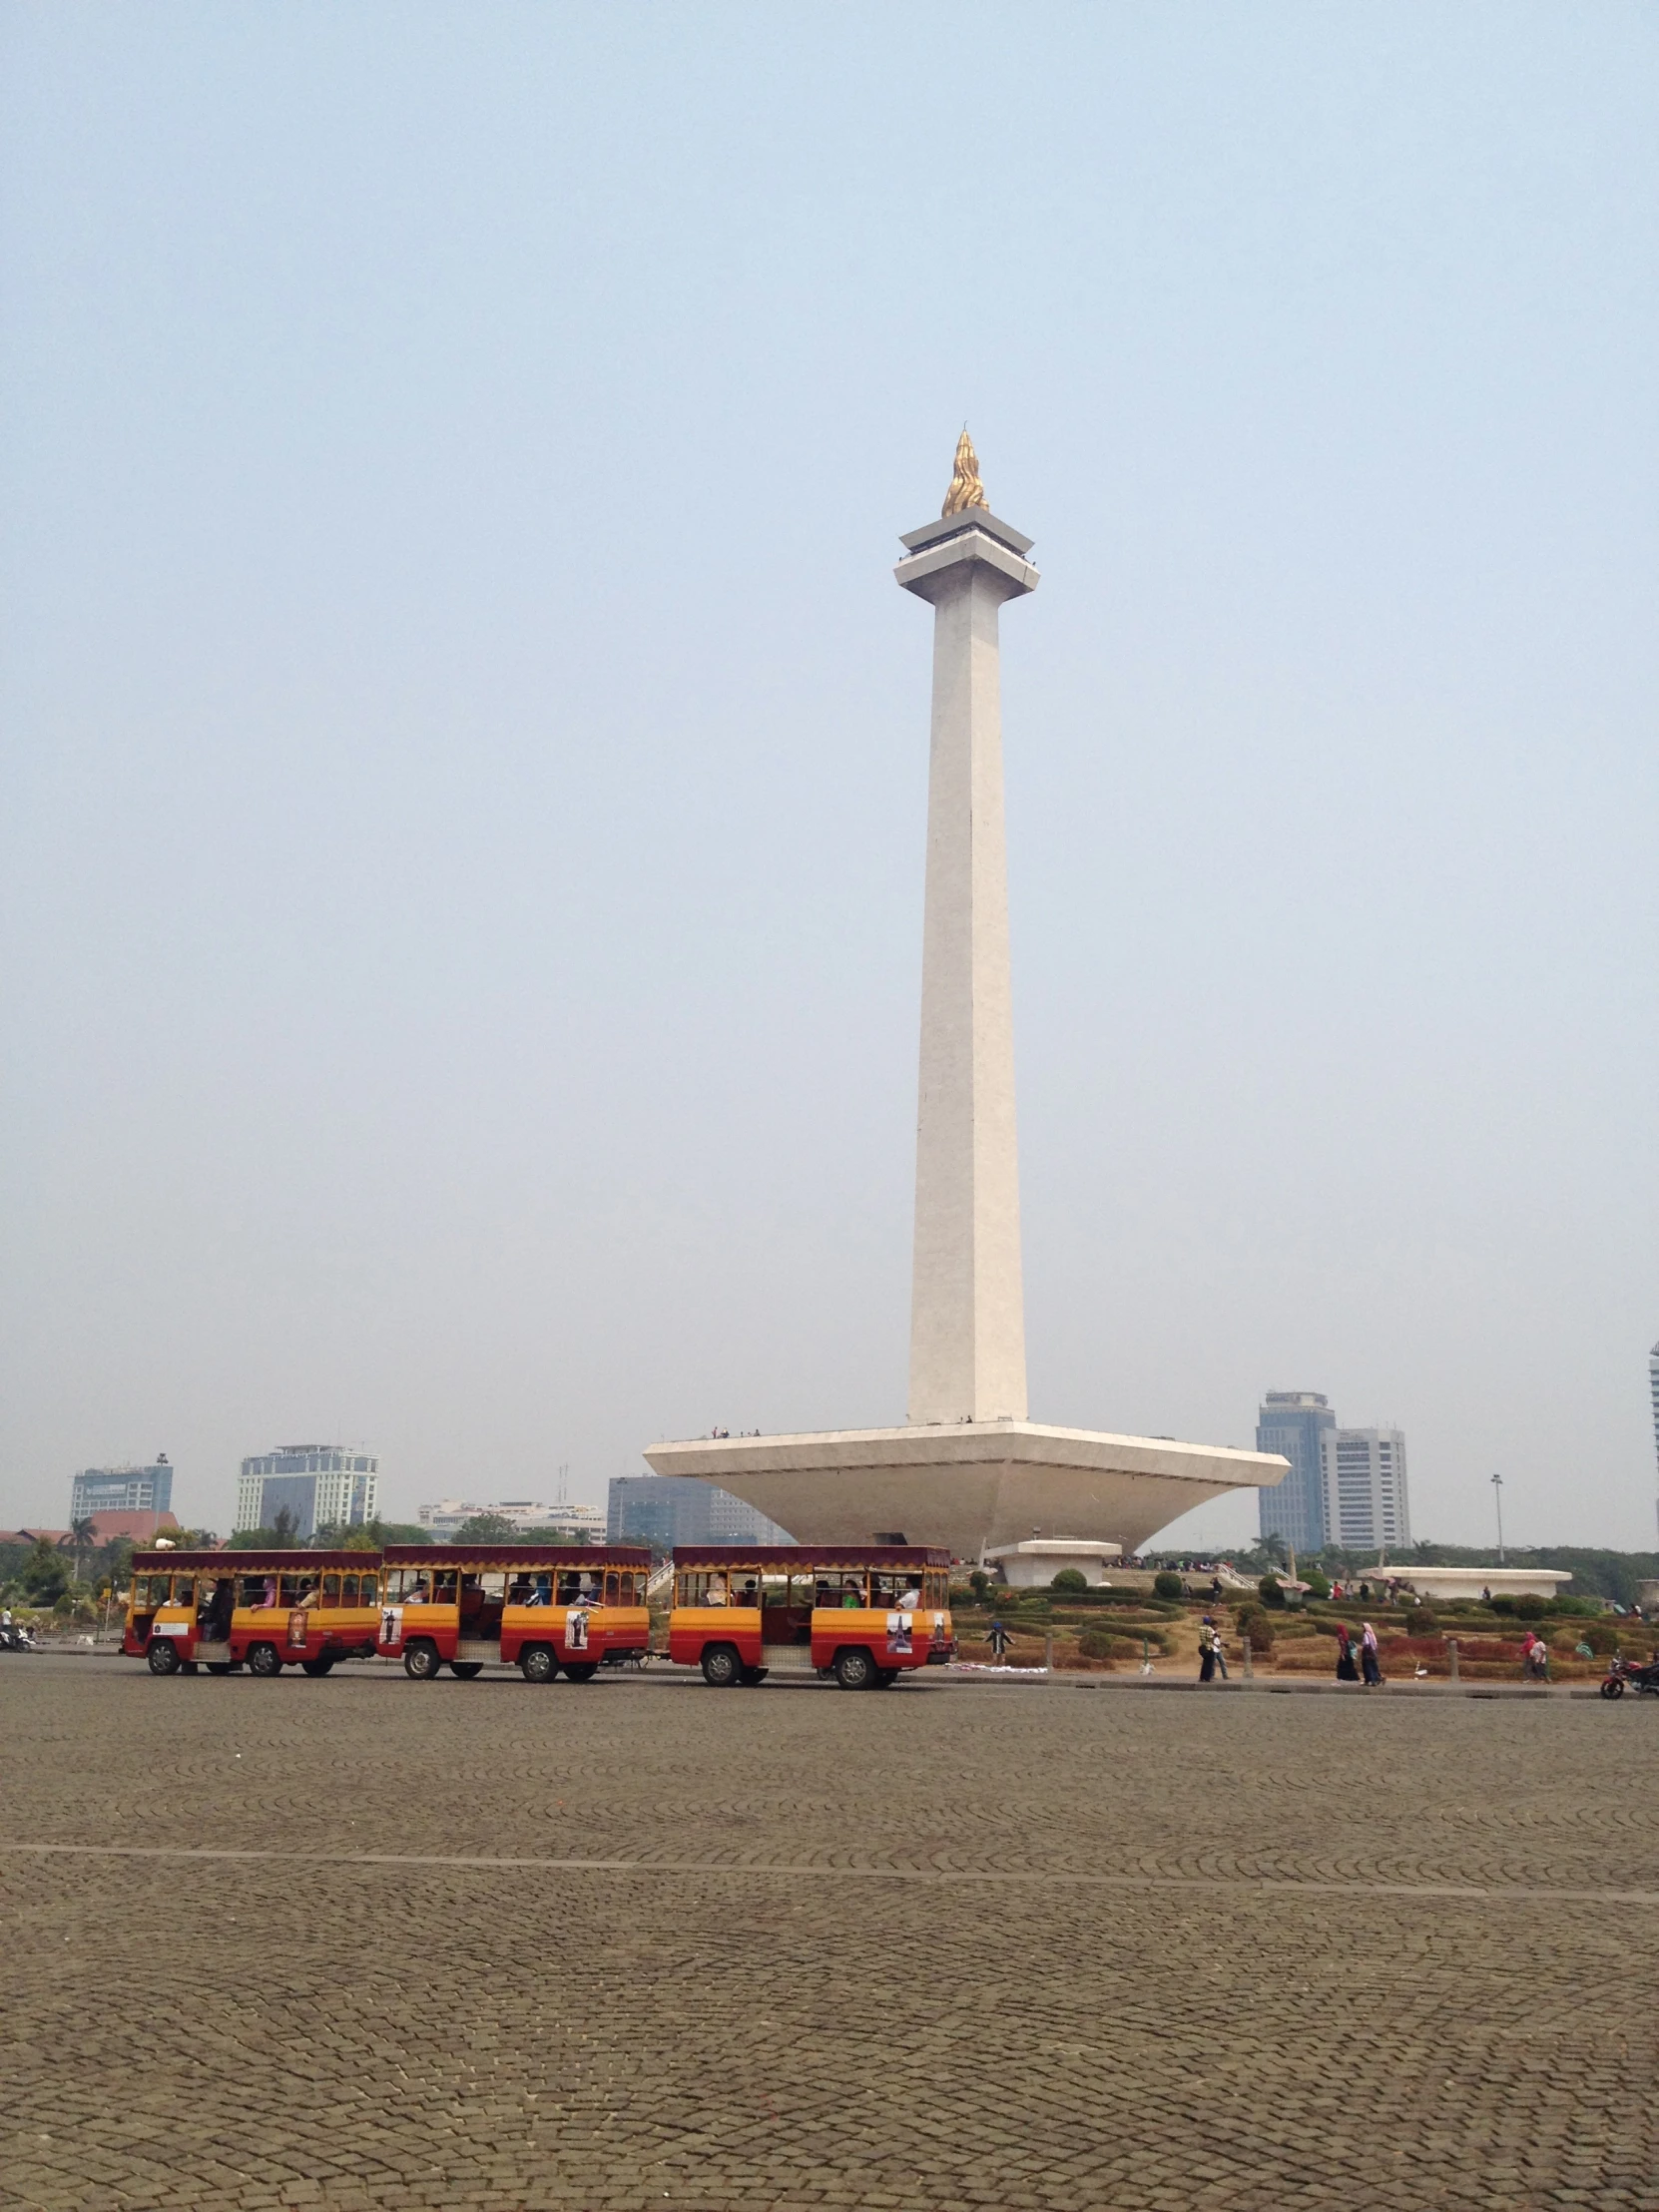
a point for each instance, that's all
(316, 1666)
(722, 1668)
(537, 1663)
(856, 1669)
(753, 1677)
(422, 1661)
(264, 1659)
(464, 1669)
(581, 1670)
(162, 1656)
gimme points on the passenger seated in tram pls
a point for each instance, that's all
(853, 1597)
(750, 1595)
(215, 1616)
(714, 1595)
(910, 1600)
(421, 1594)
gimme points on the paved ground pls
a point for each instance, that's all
(990, 1945)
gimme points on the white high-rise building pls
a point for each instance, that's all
(580, 1523)
(322, 1485)
(1365, 1504)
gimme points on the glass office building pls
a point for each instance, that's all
(663, 1511)
(1294, 1423)
(122, 1490)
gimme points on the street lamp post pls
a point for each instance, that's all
(1497, 1500)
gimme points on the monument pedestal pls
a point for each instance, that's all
(975, 1486)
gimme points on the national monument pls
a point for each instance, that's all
(968, 1469)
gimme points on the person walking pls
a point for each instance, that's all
(1370, 1664)
(1347, 1671)
(1221, 1651)
(997, 1638)
(1206, 1650)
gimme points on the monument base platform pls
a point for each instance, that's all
(974, 1485)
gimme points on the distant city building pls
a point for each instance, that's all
(1365, 1502)
(122, 1490)
(1294, 1423)
(322, 1485)
(663, 1511)
(579, 1523)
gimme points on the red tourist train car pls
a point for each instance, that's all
(544, 1608)
(865, 1613)
(260, 1609)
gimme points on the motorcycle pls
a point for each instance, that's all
(15, 1637)
(1642, 1678)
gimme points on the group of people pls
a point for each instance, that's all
(1357, 1657)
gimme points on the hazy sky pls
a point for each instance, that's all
(465, 753)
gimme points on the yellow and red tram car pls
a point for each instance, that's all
(865, 1613)
(263, 1610)
(545, 1608)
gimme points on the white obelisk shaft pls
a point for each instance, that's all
(967, 1315)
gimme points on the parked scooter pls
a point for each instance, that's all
(1645, 1680)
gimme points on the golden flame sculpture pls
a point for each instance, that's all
(965, 488)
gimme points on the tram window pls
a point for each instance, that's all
(252, 1588)
(330, 1589)
(150, 1592)
(446, 1583)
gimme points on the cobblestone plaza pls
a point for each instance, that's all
(364, 1943)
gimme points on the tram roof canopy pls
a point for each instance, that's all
(251, 1562)
(517, 1555)
(780, 1559)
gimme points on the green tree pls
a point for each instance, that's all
(485, 1528)
(46, 1573)
(1070, 1579)
(285, 1528)
(1168, 1584)
(82, 1532)
(1272, 1593)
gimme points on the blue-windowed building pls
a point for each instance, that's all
(663, 1511)
(1294, 1423)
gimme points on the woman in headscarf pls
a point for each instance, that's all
(1347, 1671)
(1370, 1664)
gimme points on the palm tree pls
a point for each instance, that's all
(82, 1532)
